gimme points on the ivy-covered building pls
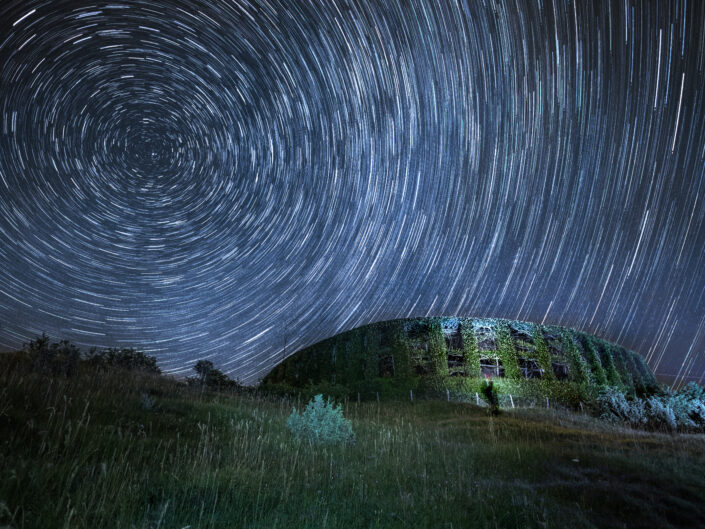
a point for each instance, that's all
(447, 348)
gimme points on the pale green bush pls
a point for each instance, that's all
(613, 405)
(682, 410)
(321, 423)
(660, 413)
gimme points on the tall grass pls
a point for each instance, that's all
(87, 452)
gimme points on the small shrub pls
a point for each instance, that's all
(688, 406)
(660, 414)
(489, 392)
(507, 352)
(693, 391)
(321, 423)
(613, 405)
(668, 410)
(59, 358)
(697, 413)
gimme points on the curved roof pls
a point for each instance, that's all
(463, 347)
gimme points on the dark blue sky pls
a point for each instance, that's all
(214, 179)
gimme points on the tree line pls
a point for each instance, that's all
(64, 358)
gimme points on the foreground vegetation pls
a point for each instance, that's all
(114, 448)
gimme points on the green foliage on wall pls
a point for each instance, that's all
(321, 363)
(567, 393)
(400, 350)
(647, 375)
(371, 352)
(354, 346)
(507, 352)
(579, 370)
(639, 385)
(355, 359)
(437, 348)
(470, 350)
(605, 352)
(542, 354)
(618, 357)
(593, 361)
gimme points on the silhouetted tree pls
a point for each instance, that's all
(203, 369)
(58, 358)
(208, 375)
(125, 358)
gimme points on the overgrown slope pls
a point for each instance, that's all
(124, 450)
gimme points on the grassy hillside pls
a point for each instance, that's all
(122, 450)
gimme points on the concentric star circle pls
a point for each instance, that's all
(235, 180)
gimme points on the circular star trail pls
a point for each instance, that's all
(235, 180)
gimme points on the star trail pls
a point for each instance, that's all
(235, 180)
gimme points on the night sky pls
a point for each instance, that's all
(224, 179)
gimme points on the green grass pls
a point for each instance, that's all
(84, 452)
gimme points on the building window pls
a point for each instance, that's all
(456, 365)
(491, 366)
(386, 366)
(560, 370)
(530, 368)
(454, 341)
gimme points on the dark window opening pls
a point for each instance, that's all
(491, 366)
(386, 366)
(530, 368)
(420, 361)
(455, 360)
(456, 364)
(421, 369)
(454, 341)
(560, 370)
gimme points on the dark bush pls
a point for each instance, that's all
(64, 358)
(489, 392)
(669, 410)
(211, 377)
(58, 358)
(125, 358)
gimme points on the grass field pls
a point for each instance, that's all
(121, 451)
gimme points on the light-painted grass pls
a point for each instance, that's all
(83, 452)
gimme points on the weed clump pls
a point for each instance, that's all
(321, 423)
(489, 392)
(669, 410)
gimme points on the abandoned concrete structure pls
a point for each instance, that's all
(463, 347)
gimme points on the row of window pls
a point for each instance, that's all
(489, 366)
